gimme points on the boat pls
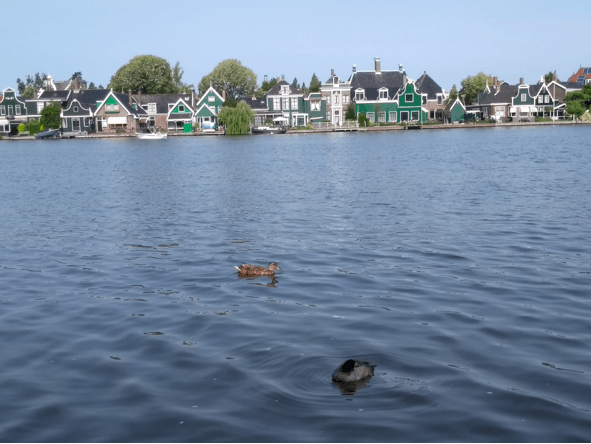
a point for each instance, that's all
(47, 134)
(268, 130)
(152, 135)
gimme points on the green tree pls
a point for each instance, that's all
(453, 94)
(232, 77)
(315, 84)
(28, 87)
(50, 116)
(266, 86)
(146, 73)
(350, 114)
(473, 85)
(549, 77)
(177, 77)
(91, 86)
(577, 102)
(237, 120)
(295, 83)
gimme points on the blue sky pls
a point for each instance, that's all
(449, 40)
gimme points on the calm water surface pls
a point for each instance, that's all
(457, 261)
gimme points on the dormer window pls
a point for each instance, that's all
(284, 89)
(335, 81)
(151, 108)
(359, 95)
(383, 94)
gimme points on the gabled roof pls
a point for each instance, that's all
(276, 90)
(427, 85)
(211, 89)
(499, 94)
(452, 103)
(123, 100)
(88, 98)
(255, 103)
(54, 96)
(180, 116)
(372, 82)
(161, 100)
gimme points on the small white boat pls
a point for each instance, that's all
(152, 135)
(268, 130)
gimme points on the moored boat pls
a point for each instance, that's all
(268, 130)
(152, 135)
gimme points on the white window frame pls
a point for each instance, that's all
(276, 103)
(439, 99)
(392, 116)
(285, 102)
(40, 106)
(406, 96)
(151, 108)
(523, 97)
(547, 99)
(75, 120)
(2, 110)
(359, 94)
(382, 117)
(415, 116)
(294, 103)
(211, 98)
(383, 94)
(181, 108)
(540, 99)
(402, 114)
(371, 117)
(345, 99)
(17, 110)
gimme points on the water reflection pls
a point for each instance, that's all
(350, 388)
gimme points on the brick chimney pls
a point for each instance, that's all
(521, 80)
(130, 101)
(378, 67)
(139, 97)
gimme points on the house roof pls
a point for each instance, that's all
(372, 82)
(54, 96)
(499, 94)
(255, 103)
(452, 103)
(276, 90)
(426, 85)
(162, 100)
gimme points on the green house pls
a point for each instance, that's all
(13, 112)
(455, 111)
(180, 117)
(208, 108)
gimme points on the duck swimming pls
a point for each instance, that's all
(353, 371)
(246, 270)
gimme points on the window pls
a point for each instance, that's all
(294, 103)
(314, 105)
(285, 89)
(345, 99)
(276, 103)
(439, 99)
(392, 116)
(404, 116)
(500, 111)
(40, 106)
(18, 110)
(546, 99)
(75, 124)
(382, 116)
(414, 116)
(523, 97)
(408, 98)
(64, 123)
(285, 103)
(151, 108)
(210, 98)
(2, 110)
(181, 108)
(336, 97)
(540, 99)
(75, 109)
(152, 121)
(112, 108)
(371, 117)
(424, 100)
(383, 94)
(359, 94)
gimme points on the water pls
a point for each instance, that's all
(457, 261)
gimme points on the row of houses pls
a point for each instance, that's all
(383, 96)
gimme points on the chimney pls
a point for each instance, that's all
(193, 98)
(265, 78)
(521, 80)
(130, 102)
(139, 96)
(332, 72)
(378, 68)
(354, 68)
(224, 95)
(495, 81)
(400, 67)
(283, 77)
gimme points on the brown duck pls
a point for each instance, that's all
(246, 270)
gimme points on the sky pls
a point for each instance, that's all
(449, 40)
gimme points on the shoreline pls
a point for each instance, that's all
(361, 130)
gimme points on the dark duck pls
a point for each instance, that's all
(246, 270)
(353, 371)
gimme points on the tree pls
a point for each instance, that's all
(350, 114)
(577, 102)
(31, 84)
(266, 86)
(295, 83)
(315, 84)
(177, 77)
(50, 116)
(473, 85)
(91, 86)
(232, 77)
(238, 119)
(549, 77)
(146, 73)
(453, 94)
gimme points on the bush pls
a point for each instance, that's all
(21, 127)
(363, 121)
(33, 127)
